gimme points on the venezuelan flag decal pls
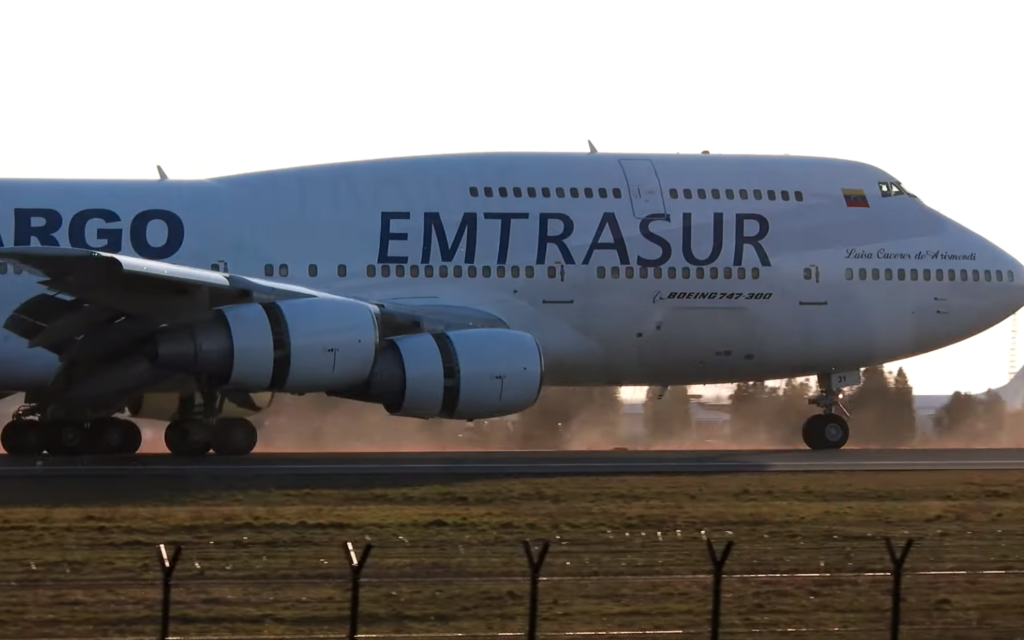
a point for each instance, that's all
(856, 198)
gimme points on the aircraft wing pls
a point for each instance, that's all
(106, 301)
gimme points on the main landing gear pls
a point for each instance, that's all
(197, 437)
(828, 430)
(25, 436)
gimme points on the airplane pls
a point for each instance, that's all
(457, 286)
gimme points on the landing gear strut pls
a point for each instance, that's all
(829, 430)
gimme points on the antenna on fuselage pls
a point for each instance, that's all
(160, 170)
(593, 149)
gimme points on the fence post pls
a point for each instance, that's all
(356, 564)
(718, 567)
(535, 564)
(897, 583)
(167, 565)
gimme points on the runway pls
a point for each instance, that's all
(520, 463)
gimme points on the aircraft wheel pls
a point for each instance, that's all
(115, 436)
(234, 437)
(22, 438)
(187, 438)
(66, 437)
(826, 431)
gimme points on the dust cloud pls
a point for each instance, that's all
(563, 419)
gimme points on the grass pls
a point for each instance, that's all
(447, 557)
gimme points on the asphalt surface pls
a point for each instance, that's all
(520, 463)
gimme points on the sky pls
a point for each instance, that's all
(927, 91)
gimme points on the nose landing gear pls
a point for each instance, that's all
(829, 430)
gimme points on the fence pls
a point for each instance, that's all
(537, 553)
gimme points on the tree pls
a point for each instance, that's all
(881, 414)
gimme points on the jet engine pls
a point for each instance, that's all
(297, 346)
(464, 374)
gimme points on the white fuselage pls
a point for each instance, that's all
(715, 287)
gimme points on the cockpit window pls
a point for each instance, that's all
(890, 189)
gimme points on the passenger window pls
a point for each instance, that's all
(282, 270)
(927, 273)
(1009, 276)
(913, 274)
(700, 273)
(629, 272)
(999, 275)
(529, 271)
(428, 271)
(457, 271)
(600, 272)
(702, 194)
(531, 191)
(514, 271)
(560, 192)
(963, 275)
(808, 274)
(849, 273)
(517, 192)
(862, 273)
(757, 194)
(716, 194)
(901, 274)
(741, 273)
(799, 196)
(474, 192)
(657, 273)
(616, 193)
(888, 274)
(730, 194)
(743, 194)
(938, 274)
(952, 274)
(755, 273)
(503, 192)
(488, 192)
(588, 192)
(268, 270)
(546, 192)
(414, 271)
(574, 192)
(442, 271)
(988, 276)
(500, 271)
(671, 275)
(784, 194)
(727, 273)
(615, 273)
(471, 271)
(485, 271)
(672, 193)
(713, 272)
(312, 271)
(552, 272)
(684, 273)
(342, 270)
(771, 194)
(371, 271)
(385, 271)
(602, 192)
(688, 194)
(643, 273)
(399, 270)
(874, 274)
(975, 275)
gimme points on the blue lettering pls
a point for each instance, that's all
(617, 244)
(754, 241)
(663, 244)
(25, 231)
(505, 232)
(716, 241)
(138, 232)
(110, 240)
(433, 228)
(544, 237)
(387, 235)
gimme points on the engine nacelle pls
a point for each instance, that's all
(297, 346)
(165, 405)
(464, 375)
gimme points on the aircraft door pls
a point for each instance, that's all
(644, 187)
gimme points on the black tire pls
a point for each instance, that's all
(187, 438)
(826, 431)
(234, 437)
(66, 437)
(23, 438)
(114, 436)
